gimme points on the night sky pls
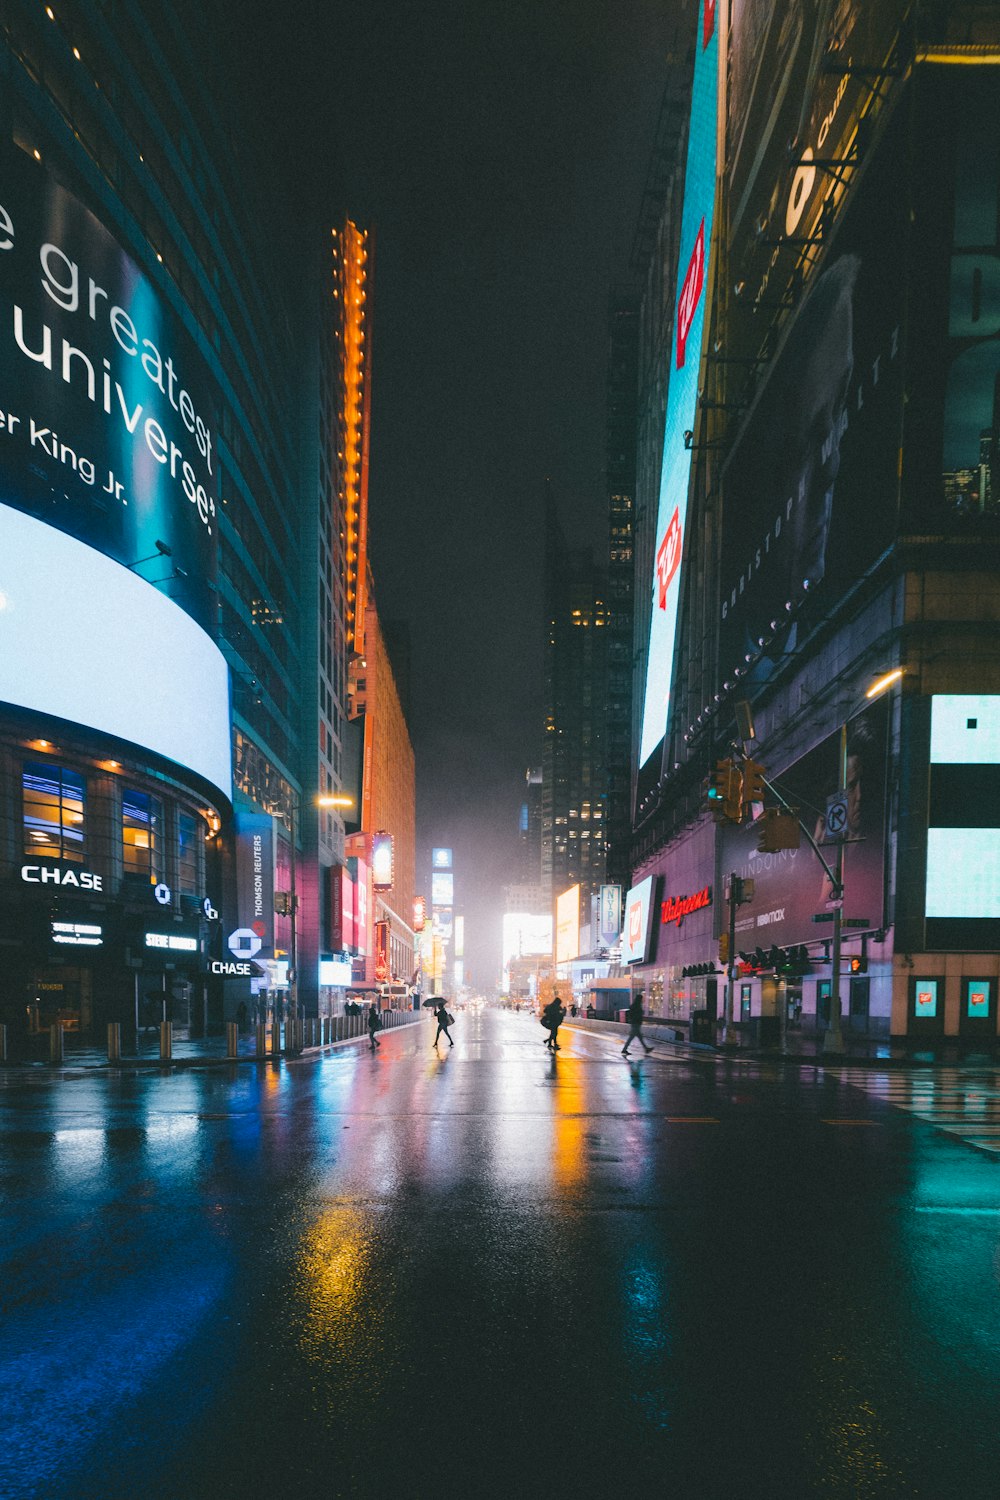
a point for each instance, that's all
(500, 153)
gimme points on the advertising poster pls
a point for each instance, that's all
(382, 861)
(636, 931)
(791, 886)
(442, 889)
(962, 881)
(810, 488)
(793, 101)
(107, 427)
(610, 922)
(568, 924)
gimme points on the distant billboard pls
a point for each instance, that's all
(440, 859)
(109, 415)
(610, 914)
(382, 861)
(637, 928)
(459, 944)
(526, 935)
(692, 283)
(442, 889)
(568, 925)
(419, 913)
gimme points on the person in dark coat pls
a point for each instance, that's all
(552, 1018)
(634, 1016)
(374, 1023)
(442, 1018)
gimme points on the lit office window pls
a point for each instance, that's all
(54, 812)
(142, 835)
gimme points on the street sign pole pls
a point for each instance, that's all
(834, 1039)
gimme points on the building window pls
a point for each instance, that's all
(187, 854)
(54, 812)
(142, 835)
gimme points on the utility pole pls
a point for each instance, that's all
(834, 1039)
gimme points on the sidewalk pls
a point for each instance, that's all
(806, 1049)
(204, 1052)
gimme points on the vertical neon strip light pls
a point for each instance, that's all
(682, 394)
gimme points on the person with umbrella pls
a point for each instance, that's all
(443, 1019)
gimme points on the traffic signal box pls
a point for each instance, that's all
(724, 792)
(777, 829)
(753, 781)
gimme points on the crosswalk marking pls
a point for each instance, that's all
(963, 1105)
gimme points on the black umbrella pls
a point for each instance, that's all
(433, 1001)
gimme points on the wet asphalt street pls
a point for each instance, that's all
(492, 1272)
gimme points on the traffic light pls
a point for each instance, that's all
(753, 781)
(724, 792)
(777, 829)
(724, 948)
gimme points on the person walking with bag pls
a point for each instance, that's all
(552, 1018)
(444, 1020)
(634, 1016)
(374, 1024)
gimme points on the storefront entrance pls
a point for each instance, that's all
(59, 994)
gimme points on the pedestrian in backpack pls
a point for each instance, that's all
(634, 1016)
(552, 1018)
(444, 1020)
(374, 1024)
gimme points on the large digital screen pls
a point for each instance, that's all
(692, 284)
(382, 861)
(568, 924)
(107, 423)
(442, 888)
(636, 932)
(84, 639)
(962, 898)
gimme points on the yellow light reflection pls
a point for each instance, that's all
(341, 1311)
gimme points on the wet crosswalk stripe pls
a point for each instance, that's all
(963, 1105)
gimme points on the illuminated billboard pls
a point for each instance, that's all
(442, 889)
(419, 913)
(382, 861)
(86, 640)
(441, 859)
(255, 861)
(526, 935)
(107, 430)
(568, 925)
(962, 898)
(637, 928)
(692, 283)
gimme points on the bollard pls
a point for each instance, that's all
(275, 1038)
(232, 1039)
(56, 1042)
(3, 1041)
(261, 1050)
(114, 1041)
(166, 1041)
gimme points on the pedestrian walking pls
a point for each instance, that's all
(241, 1017)
(552, 1019)
(634, 1016)
(444, 1020)
(374, 1024)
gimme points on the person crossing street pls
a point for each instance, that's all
(635, 1017)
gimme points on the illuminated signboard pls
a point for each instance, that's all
(174, 942)
(682, 390)
(977, 998)
(335, 971)
(102, 648)
(77, 934)
(635, 933)
(381, 952)
(382, 861)
(442, 889)
(419, 913)
(108, 417)
(568, 925)
(676, 908)
(441, 859)
(962, 900)
(64, 875)
(925, 997)
(610, 909)
(255, 878)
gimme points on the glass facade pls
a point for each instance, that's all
(187, 854)
(142, 835)
(54, 812)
